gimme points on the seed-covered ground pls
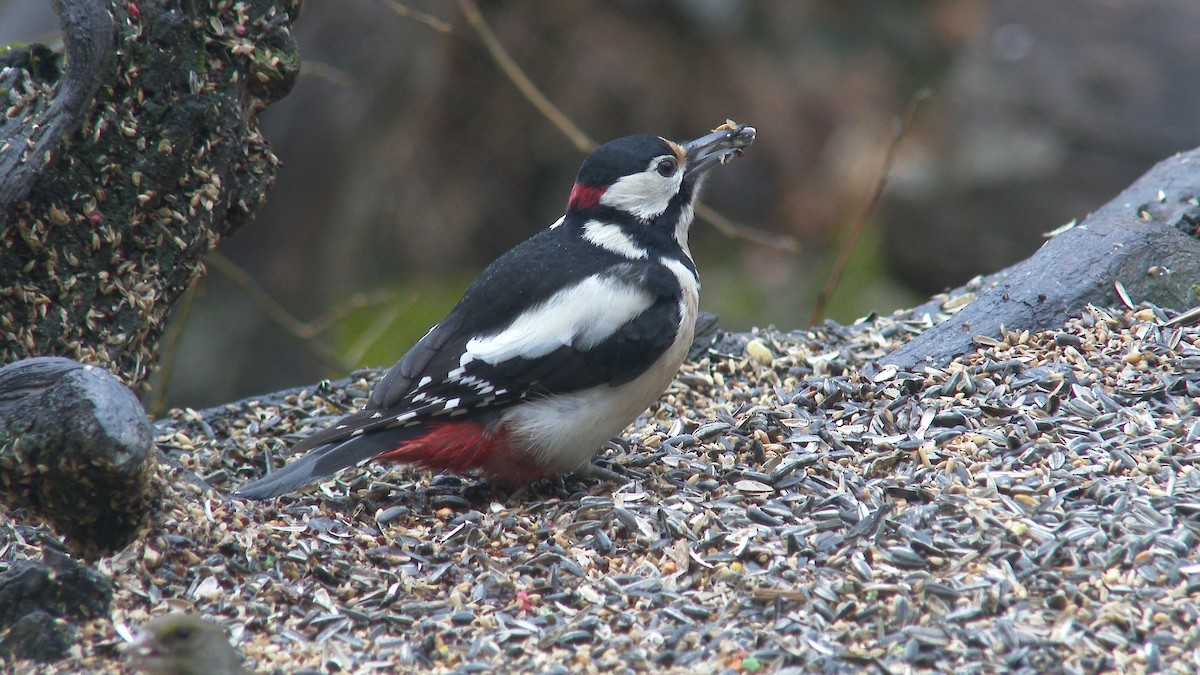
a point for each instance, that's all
(1034, 505)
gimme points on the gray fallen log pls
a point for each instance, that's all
(1145, 239)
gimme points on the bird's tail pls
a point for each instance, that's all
(326, 460)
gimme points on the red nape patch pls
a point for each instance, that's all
(462, 447)
(585, 196)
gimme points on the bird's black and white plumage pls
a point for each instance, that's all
(558, 345)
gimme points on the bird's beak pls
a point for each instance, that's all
(722, 145)
(142, 644)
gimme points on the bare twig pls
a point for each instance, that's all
(416, 15)
(737, 231)
(307, 331)
(839, 267)
(324, 71)
(349, 306)
(383, 321)
(585, 143)
(276, 312)
(170, 349)
(528, 89)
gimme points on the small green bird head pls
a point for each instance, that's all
(184, 644)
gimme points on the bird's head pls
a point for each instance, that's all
(184, 644)
(643, 184)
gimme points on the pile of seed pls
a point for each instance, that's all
(1034, 505)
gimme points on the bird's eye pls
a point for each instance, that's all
(666, 167)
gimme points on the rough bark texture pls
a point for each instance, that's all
(121, 170)
(1145, 239)
(41, 601)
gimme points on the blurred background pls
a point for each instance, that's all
(411, 160)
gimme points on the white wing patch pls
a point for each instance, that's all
(612, 238)
(645, 194)
(583, 315)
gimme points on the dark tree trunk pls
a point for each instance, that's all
(123, 165)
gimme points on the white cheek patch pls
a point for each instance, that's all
(612, 238)
(582, 315)
(645, 195)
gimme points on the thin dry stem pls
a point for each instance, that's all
(383, 321)
(171, 341)
(585, 143)
(528, 89)
(277, 313)
(839, 266)
(417, 15)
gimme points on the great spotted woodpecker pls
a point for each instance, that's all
(558, 345)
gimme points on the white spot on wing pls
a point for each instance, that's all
(404, 417)
(612, 238)
(480, 386)
(424, 381)
(582, 315)
(558, 222)
(452, 403)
